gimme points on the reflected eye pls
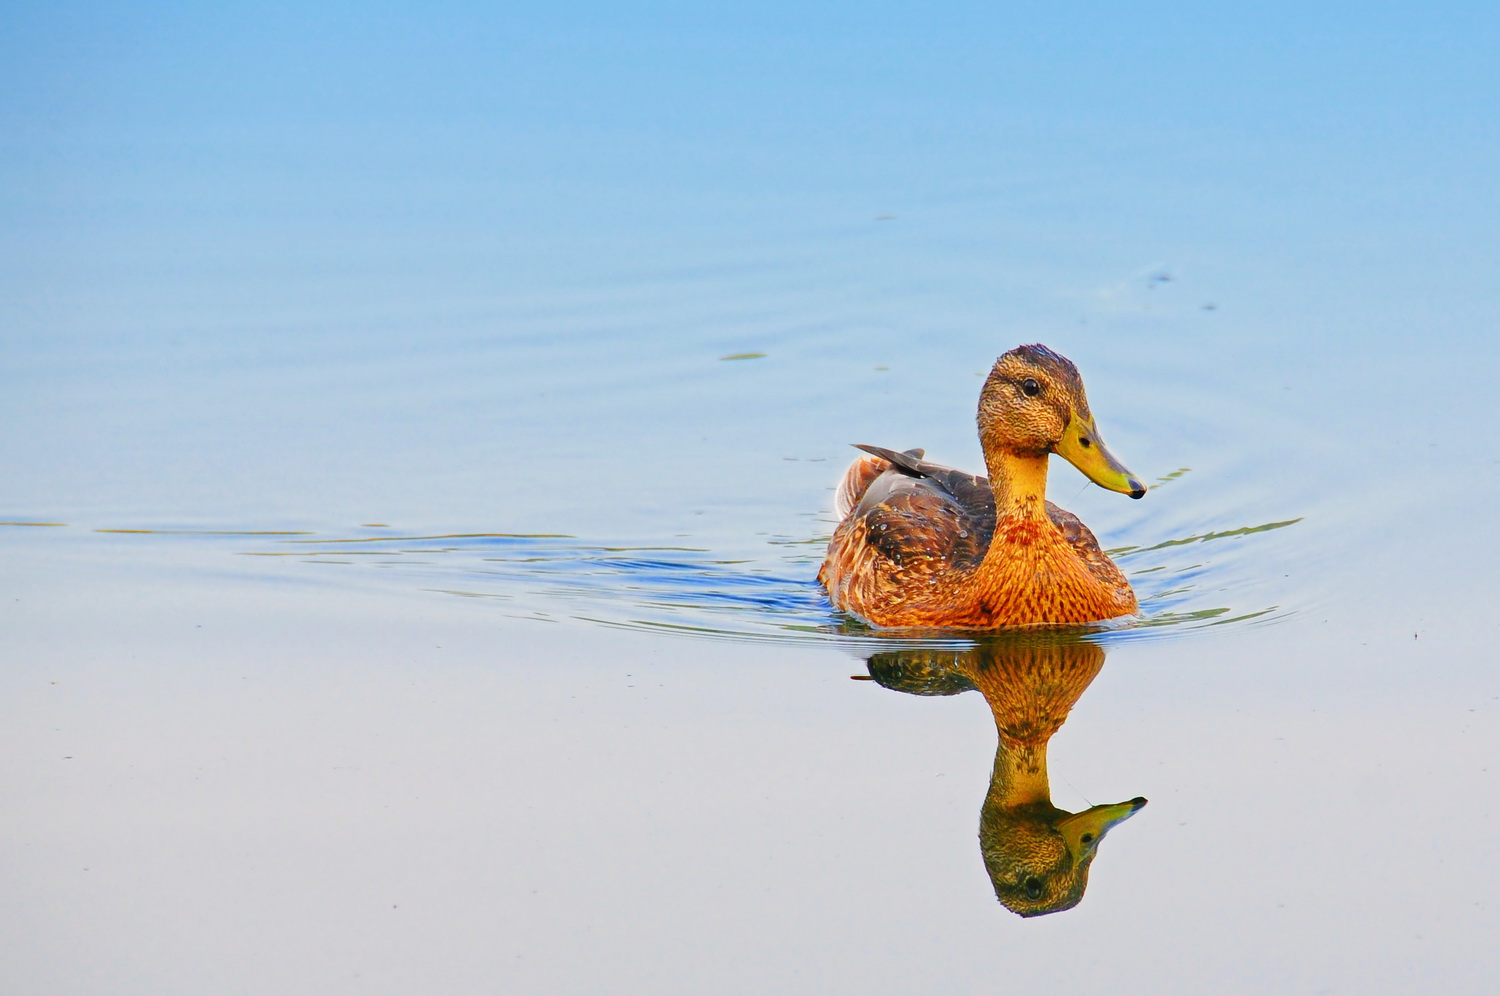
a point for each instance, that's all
(1031, 387)
(1087, 838)
(1033, 887)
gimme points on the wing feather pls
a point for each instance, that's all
(905, 521)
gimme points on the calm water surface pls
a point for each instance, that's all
(415, 490)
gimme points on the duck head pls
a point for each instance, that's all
(1033, 404)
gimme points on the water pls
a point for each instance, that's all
(420, 443)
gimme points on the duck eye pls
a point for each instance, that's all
(1033, 887)
(1031, 387)
(1086, 838)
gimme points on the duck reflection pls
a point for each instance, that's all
(1037, 855)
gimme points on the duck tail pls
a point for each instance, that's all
(862, 473)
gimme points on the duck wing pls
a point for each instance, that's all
(919, 514)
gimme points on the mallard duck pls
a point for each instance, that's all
(922, 545)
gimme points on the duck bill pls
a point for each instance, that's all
(1082, 447)
(1084, 830)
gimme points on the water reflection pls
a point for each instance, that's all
(1037, 855)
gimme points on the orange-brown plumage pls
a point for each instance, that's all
(921, 545)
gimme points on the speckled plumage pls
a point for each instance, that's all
(921, 545)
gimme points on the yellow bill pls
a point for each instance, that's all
(1082, 447)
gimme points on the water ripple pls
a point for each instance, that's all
(767, 593)
(774, 597)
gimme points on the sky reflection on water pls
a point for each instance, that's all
(314, 319)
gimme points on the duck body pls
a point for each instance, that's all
(920, 546)
(925, 546)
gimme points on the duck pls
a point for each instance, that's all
(923, 546)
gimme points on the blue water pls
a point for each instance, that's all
(421, 429)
